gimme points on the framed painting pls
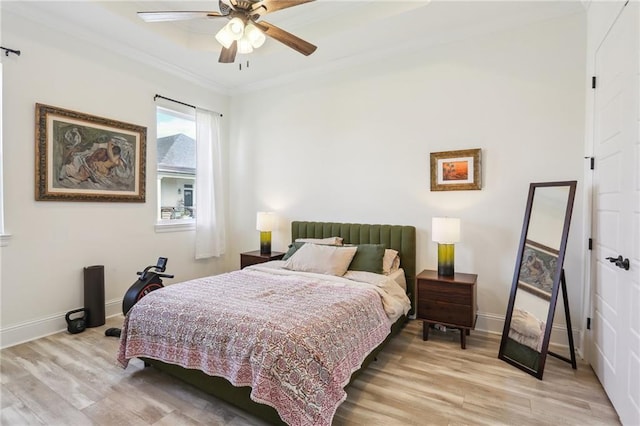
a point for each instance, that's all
(81, 157)
(537, 269)
(456, 170)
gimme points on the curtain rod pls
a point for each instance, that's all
(7, 51)
(179, 102)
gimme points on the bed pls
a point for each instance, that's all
(252, 372)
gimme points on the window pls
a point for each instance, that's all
(176, 143)
(183, 205)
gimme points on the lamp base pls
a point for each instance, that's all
(265, 242)
(445, 259)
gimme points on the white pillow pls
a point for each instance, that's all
(390, 256)
(330, 241)
(329, 260)
(396, 265)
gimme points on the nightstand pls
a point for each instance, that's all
(254, 257)
(447, 300)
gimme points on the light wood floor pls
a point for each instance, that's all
(73, 380)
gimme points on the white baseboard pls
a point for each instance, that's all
(31, 330)
(494, 324)
(490, 323)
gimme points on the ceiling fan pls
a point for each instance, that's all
(245, 30)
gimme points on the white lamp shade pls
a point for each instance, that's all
(445, 230)
(236, 28)
(244, 45)
(225, 37)
(254, 35)
(265, 221)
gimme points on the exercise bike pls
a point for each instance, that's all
(150, 280)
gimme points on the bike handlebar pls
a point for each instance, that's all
(165, 275)
(144, 272)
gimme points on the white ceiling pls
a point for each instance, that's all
(346, 32)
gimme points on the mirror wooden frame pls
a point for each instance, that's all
(559, 284)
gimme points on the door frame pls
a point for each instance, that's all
(595, 38)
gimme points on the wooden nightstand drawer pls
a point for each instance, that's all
(446, 313)
(445, 292)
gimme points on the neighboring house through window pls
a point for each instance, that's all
(176, 144)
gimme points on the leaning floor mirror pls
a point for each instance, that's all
(538, 278)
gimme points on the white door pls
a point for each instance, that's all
(616, 292)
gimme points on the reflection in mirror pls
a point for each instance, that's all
(538, 277)
(542, 244)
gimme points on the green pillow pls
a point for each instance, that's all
(293, 247)
(368, 258)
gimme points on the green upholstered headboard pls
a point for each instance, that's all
(397, 237)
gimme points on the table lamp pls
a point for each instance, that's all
(445, 231)
(264, 224)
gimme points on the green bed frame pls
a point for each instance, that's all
(398, 237)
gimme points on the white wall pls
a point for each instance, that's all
(350, 145)
(353, 145)
(42, 267)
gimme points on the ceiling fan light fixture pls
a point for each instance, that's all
(236, 28)
(244, 45)
(225, 37)
(241, 18)
(255, 36)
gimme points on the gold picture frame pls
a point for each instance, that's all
(456, 170)
(538, 268)
(82, 157)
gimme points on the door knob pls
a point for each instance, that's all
(620, 262)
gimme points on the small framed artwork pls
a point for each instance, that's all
(456, 170)
(537, 269)
(81, 157)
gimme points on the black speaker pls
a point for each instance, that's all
(94, 295)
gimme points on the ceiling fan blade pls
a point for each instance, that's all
(227, 56)
(274, 5)
(166, 16)
(284, 37)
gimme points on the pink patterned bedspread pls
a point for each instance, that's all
(294, 339)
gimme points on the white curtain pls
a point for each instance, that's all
(210, 235)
